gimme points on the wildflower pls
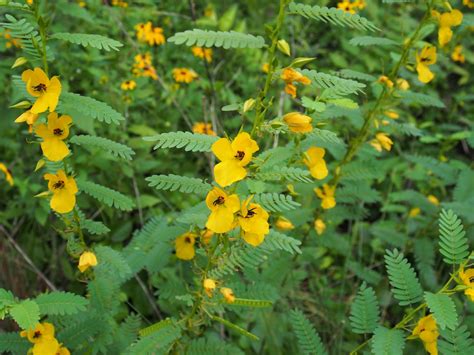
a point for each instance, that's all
(467, 279)
(128, 85)
(468, 3)
(319, 226)
(11, 42)
(141, 30)
(64, 191)
(209, 286)
(381, 141)
(290, 76)
(392, 114)
(415, 211)
(223, 207)
(119, 3)
(184, 245)
(46, 90)
(29, 117)
(298, 123)
(184, 75)
(314, 160)
(209, 11)
(53, 136)
(265, 67)
(457, 55)
(253, 220)
(346, 6)
(433, 199)
(445, 22)
(206, 236)
(424, 59)
(228, 294)
(8, 174)
(203, 128)
(149, 71)
(50, 346)
(427, 331)
(40, 333)
(284, 224)
(360, 4)
(326, 194)
(156, 37)
(384, 80)
(402, 84)
(142, 60)
(291, 90)
(234, 156)
(87, 260)
(203, 53)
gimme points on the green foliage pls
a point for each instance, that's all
(387, 341)
(279, 241)
(309, 341)
(78, 334)
(405, 285)
(60, 303)
(89, 40)
(456, 341)
(112, 263)
(116, 149)
(226, 40)
(443, 309)
(203, 346)
(365, 312)
(25, 313)
(251, 303)
(13, 343)
(178, 183)
(276, 202)
(191, 142)
(337, 85)
(108, 196)
(286, 173)
(157, 342)
(235, 328)
(371, 41)
(452, 238)
(415, 98)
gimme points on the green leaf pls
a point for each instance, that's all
(89, 40)
(453, 243)
(251, 303)
(388, 341)
(309, 341)
(372, 41)
(203, 346)
(13, 343)
(226, 40)
(285, 173)
(443, 309)
(61, 303)
(108, 196)
(26, 314)
(112, 263)
(157, 342)
(337, 85)
(365, 311)
(279, 241)
(235, 327)
(178, 183)
(275, 202)
(116, 149)
(6, 298)
(456, 341)
(191, 142)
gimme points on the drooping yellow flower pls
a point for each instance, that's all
(87, 260)
(427, 331)
(384, 80)
(29, 117)
(53, 136)
(228, 294)
(209, 287)
(433, 199)
(314, 160)
(424, 59)
(223, 207)
(128, 85)
(253, 221)
(291, 76)
(234, 156)
(446, 21)
(467, 278)
(203, 53)
(40, 333)
(8, 174)
(64, 191)
(319, 226)
(326, 194)
(203, 128)
(457, 54)
(184, 75)
(284, 224)
(298, 123)
(402, 84)
(415, 211)
(381, 141)
(346, 6)
(184, 245)
(45, 90)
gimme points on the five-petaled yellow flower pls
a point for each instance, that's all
(381, 141)
(234, 156)
(45, 90)
(253, 221)
(40, 333)
(203, 53)
(427, 331)
(424, 59)
(128, 85)
(319, 226)
(53, 136)
(298, 123)
(184, 245)
(446, 21)
(223, 207)
(209, 287)
(467, 278)
(8, 174)
(314, 160)
(326, 194)
(184, 75)
(228, 294)
(203, 128)
(64, 191)
(50, 347)
(87, 260)
(347, 6)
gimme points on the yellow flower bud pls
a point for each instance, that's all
(19, 62)
(87, 260)
(249, 104)
(298, 122)
(228, 294)
(284, 47)
(209, 286)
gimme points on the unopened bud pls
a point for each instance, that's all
(249, 104)
(284, 47)
(19, 62)
(22, 104)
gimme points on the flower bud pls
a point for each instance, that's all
(284, 47)
(298, 122)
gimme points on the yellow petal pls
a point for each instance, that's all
(253, 239)
(222, 149)
(229, 171)
(63, 201)
(425, 75)
(319, 170)
(444, 35)
(220, 220)
(54, 149)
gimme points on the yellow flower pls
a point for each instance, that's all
(184, 75)
(203, 53)
(155, 37)
(415, 211)
(119, 3)
(234, 156)
(206, 236)
(8, 174)
(424, 59)
(381, 141)
(346, 6)
(446, 21)
(284, 224)
(46, 90)
(209, 286)
(86, 260)
(402, 84)
(223, 207)
(184, 245)
(468, 3)
(392, 114)
(49, 347)
(319, 226)
(203, 128)
(40, 333)
(457, 55)
(228, 294)
(384, 80)
(128, 85)
(142, 30)
(360, 4)
(265, 67)
(142, 60)
(467, 279)
(253, 221)
(314, 160)
(298, 123)
(326, 194)
(290, 89)
(427, 331)
(289, 76)
(53, 135)
(29, 117)
(64, 191)
(433, 199)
